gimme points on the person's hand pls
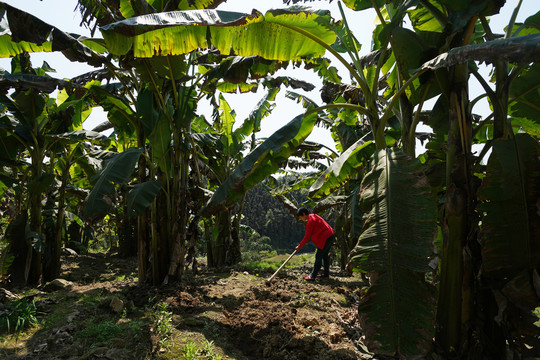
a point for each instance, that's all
(297, 248)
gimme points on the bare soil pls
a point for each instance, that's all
(234, 310)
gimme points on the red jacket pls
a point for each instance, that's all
(318, 230)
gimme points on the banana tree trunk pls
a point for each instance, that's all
(500, 110)
(209, 244)
(54, 261)
(142, 229)
(33, 268)
(454, 305)
(127, 240)
(407, 127)
(221, 238)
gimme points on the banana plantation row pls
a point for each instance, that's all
(448, 239)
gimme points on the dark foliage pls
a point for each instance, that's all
(267, 215)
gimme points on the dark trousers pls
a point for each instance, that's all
(322, 257)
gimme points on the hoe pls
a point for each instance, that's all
(282, 265)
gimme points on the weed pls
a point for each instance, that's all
(101, 333)
(120, 278)
(213, 331)
(162, 319)
(191, 351)
(208, 351)
(20, 316)
(136, 327)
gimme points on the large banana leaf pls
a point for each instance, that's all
(524, 89)
(510, 228)
(522, 49)
(128, 7)
(118, 110)
(397, 312)
(22, 32)
(510, 193)
(358, 5)
(140, 196)
(263, 109)
(81, 135)
(29, 81)
(342, 169)
(229, 32)
(263, 161)
(117, 170)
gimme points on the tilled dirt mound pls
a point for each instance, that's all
(236, 310)
(286, 319)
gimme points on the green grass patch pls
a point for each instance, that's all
(101, 333)
(262, 265)
(90, 299)
(274, 262)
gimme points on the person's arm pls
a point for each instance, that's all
(309, 228)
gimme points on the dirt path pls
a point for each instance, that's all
(236, 311)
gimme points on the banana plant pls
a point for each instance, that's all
(66, 150)
(221, 150)
(32, 123)
(512, 86)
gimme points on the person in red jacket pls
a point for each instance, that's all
(322, 236)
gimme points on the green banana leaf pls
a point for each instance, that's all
(342, 169)
(522, 49)
(118, 110)
(355, 214)
(301, 181)
(81, 135)
(511, 223)
(117, 170)
(29, 81)
(41, 184)
(397, 312)
(236, 69)
(263, 161)
(160, 142)
(524, 89)
(229, 32)
(140, 196)
(263, 109)
(509, 233)
(288, 203)
(358, 5)
(27, 33)
(329, 202)
(128, 7)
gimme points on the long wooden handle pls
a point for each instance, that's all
(282, 265)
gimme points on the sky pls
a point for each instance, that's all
(63, 15)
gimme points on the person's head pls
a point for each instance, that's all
(303, 213)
